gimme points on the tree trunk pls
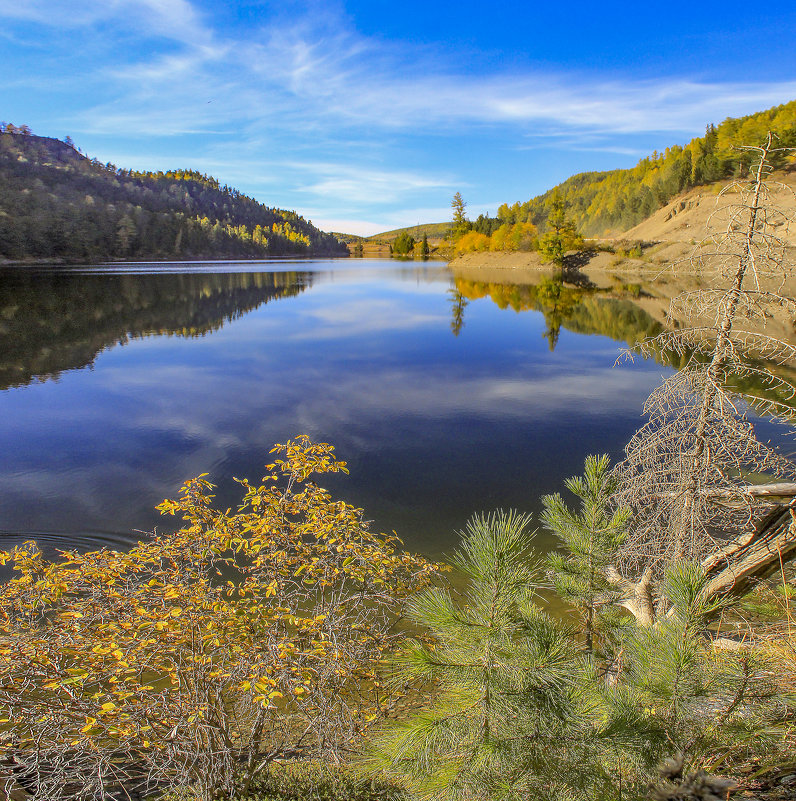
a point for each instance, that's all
(732, 571)
(637, 595)
(780, 489)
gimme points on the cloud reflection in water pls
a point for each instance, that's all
(434, 426)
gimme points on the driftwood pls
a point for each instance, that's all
(737, 567)
(782, 489)
(637, 595)
(732, 571)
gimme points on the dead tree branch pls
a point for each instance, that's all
(683, 472)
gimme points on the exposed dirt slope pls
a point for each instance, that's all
(688, 217)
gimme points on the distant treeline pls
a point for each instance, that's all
(55, 203)
(614, 201)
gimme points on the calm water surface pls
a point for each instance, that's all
(116, 384)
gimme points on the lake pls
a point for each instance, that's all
(446, 395)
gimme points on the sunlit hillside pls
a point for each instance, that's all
(605, 203)
(431, 230)
(613, 202)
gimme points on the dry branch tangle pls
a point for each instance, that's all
(684, 470)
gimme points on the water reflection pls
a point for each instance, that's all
(578, 309)
(52, 322)
(442, 402)
(458, 305)
(616, 309)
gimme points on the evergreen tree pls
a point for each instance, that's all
(591, 539)
(125, 233)
(486, 225)
(512, 713)
(676, 693)
(561, 234)
(461, 225)
(425, 250)
(504, 672)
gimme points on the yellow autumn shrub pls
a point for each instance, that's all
(472, 242)
(201, 656)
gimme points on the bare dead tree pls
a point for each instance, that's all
(686, 471)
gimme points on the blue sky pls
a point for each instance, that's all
(365, 116)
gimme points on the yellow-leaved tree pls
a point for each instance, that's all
(200, 657)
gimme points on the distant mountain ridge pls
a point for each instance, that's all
(56, 203)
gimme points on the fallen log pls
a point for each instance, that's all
(780, 489)
(755, 556)
(732, 571)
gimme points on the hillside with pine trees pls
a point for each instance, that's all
(612, 202)
(57, 204)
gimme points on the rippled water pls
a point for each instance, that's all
(119, 383)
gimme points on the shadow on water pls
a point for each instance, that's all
(52, 322)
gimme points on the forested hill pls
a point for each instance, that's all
(612, 202)
(56, 203)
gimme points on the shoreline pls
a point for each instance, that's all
(193, 259)
(658, 256)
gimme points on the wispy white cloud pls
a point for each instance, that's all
(175, 19)
(325, 74)
(350, 182)
(77, 13)
(310, 104)
(573, 101)
(346, 225)
(587, 142)
(388, 219)
(170, 19)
